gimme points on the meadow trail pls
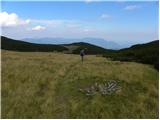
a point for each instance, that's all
(46, 85)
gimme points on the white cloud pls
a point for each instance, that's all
(37, 28)
(54, 23)
(73, 25)
(47, 22)
(88, 30)
(105, 16)
(131, 7)
(88, 1)
(120, 1)
(12, 19)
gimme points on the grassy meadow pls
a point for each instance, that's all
(46, 85)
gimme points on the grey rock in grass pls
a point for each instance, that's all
(106, 88)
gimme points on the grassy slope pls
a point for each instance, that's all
(147, 53)
(16, 45)
(45, 85)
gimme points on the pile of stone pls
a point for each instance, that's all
(106, 88)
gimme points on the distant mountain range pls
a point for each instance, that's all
(95, 41)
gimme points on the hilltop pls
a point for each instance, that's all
(91, 49)
(17, 45)
(144, 53)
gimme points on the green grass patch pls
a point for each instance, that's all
(46, 85)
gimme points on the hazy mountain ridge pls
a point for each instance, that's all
(95, 41)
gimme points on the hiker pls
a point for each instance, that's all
(82, 53)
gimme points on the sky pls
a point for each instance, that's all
(118, 21)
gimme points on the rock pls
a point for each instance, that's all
(104, 89)
(81, 90)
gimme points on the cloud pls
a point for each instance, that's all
(132, 7)
(54, 23)
(120, 1)
(88, 30)
(12, 19)
(47, 22)
(37, 28)
(73, 25)
(89, 1)
(105, 16)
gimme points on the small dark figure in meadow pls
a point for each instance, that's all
(82, 53)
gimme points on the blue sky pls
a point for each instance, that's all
(114, 21)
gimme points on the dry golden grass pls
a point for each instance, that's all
(45, 85)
